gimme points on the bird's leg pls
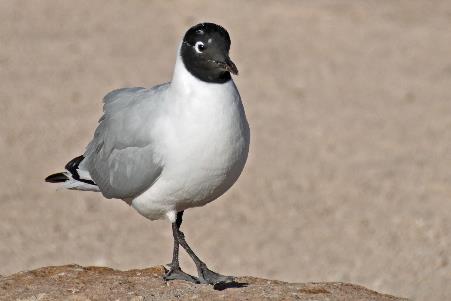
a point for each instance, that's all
(175, 272)
(205, 274)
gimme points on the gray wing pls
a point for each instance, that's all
(121, 158)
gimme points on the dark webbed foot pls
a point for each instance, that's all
(178, 274)
(207, 276)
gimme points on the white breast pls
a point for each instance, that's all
(206, 142)
(211, 142)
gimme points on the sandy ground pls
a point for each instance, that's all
(349, 173)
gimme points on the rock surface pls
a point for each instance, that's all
(74, 282)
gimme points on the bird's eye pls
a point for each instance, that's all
(199, 46)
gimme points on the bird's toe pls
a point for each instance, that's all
(209, 277)
(178, 274)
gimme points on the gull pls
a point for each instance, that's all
(171, 147)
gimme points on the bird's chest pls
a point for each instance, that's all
(208, 147)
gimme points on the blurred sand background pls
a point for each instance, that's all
(349, 174)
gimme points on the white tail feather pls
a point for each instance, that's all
(73, 184)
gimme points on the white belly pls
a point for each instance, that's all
(205, 151)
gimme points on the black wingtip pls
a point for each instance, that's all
(57, 178)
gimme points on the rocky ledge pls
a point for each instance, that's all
(77, 283)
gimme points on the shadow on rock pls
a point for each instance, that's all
(225, 285)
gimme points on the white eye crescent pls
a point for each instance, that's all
(199, 46)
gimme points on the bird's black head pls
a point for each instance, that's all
(205, 53)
